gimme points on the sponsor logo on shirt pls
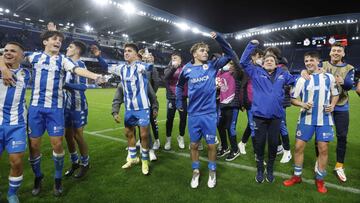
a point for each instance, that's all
(200, 79)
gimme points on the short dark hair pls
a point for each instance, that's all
(16, 44)
(338, 44)
(176, 53)
(274, 50)
(132, 45)
(257, 51)
(48, 34)
(80, 45)
(312, 54)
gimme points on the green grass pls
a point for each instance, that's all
(170, 175)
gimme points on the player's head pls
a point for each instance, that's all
(13, 54)
(199, 51)
(52, 41)
(176, 56)
(131, 52)
(230, 66)
(257, 56)
(275, 51)
(337, 52)
(270, 62)
(76, 48)
(312, 60)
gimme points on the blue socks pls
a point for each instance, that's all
(59, 164)
(14, 184)
(35, 165)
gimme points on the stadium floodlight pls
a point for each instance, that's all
(129, 8)
(28, 19)
(183, 26)
(41, 20)
(61, 24)
(100, 2)
(125, 35)
(195, 30)
(7, 11)
(16, 15)
(1, 9)
(88, 28)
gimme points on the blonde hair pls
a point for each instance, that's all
(197, 46)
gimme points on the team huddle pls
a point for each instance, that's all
(208, 91)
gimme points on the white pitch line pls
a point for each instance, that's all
(239, 166)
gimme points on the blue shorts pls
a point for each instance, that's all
(41, 119)
(203, 126)
(322, 133)
(75, 119)
(137, 118)
(12, 138)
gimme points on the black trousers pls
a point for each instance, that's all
(154, 125)
(171, 110)
(266, 130)
(227, 127)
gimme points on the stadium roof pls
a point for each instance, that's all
(181, 23)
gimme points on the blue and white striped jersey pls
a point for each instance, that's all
(317, 90)
(134, 80)
(76, 99)
(12, 99)
(48, 79)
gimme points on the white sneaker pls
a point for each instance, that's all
(286, 156)
(241, 146)
(152, 155)
(156, 144)
(340, 173)
(195, 179)
(212, 179)
(216, 140)
(181, 143)
(280, 150)
(168, 143)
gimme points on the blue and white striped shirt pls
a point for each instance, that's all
(48, 79)
(134, 80)
(76, 99)
(317, 90)
(12, 99)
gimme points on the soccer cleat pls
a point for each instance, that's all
(168, 144)
(82, 172)
(320, 185)
(292, 181)
(13, 199)
(37, 185)
(212, 179)
(223, 152)
(131, 162)
(241, 146)
(72, 169)
(286, 156)
(152, 155)
(232, 155)
(181, 143)
(156, 144)
(58, 190)
(280, 150)
(259, 176)
(340, 173)
(195, 179)
(145, 167)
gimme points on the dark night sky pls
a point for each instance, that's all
(230, 16)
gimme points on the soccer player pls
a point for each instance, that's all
(284, 146)
(171, 76)
(76, 112)
(46, 111)
(200, 76)
(229, 85)
(318, 97)
(268, 82)
(344, 78)
(133, 75)
(13, 116)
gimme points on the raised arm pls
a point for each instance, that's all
(226, 48)
(245, 60)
